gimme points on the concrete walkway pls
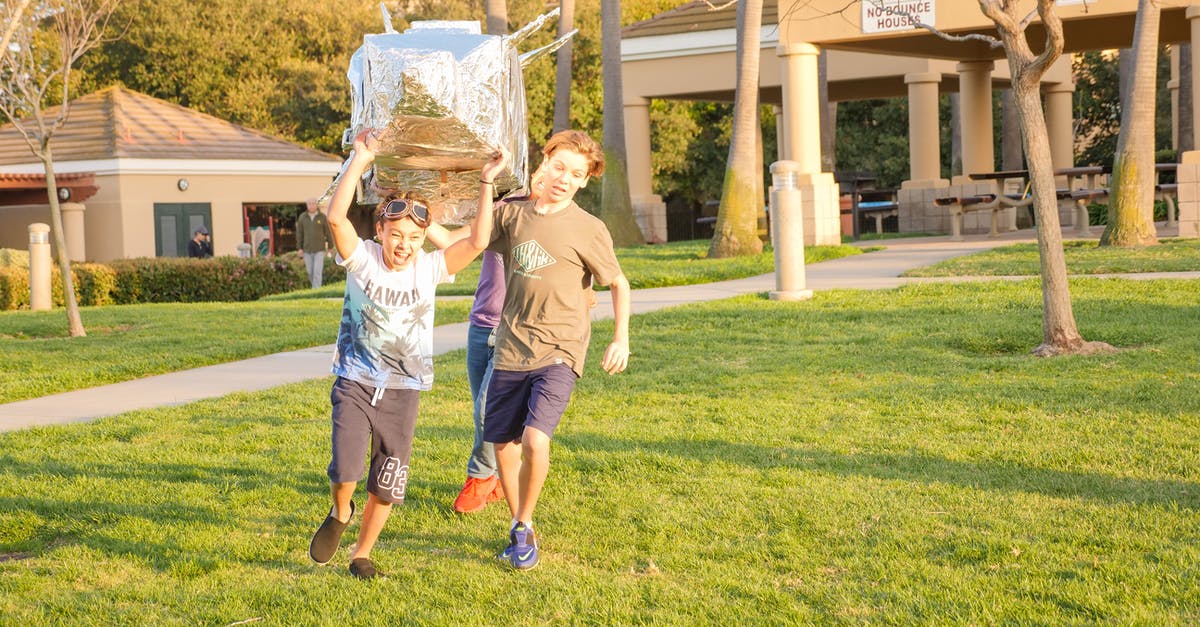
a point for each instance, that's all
(876, 270)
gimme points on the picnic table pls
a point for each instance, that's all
(1084, 186)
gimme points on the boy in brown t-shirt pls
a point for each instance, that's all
(553, 251)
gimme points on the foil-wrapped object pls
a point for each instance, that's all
(440, 96)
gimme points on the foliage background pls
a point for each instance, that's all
(280, 68)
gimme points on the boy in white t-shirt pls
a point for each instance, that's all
(384, 354)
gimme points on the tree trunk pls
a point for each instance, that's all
(1131, 186)
(497, 17)
(1187, 133)
(828, 115)
(74, 322)
(955, 135)
(1011, 157)
(1060, 334)
(616, 208)
(563, 61)
(737, 219)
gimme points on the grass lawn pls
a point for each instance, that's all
(131, 341)
(863, 457)
(1083, 257)
(660, 265)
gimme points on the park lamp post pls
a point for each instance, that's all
(787, 232)
(39, 267)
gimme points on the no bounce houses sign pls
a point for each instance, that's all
(880, 16)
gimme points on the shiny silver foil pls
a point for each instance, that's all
(440, 97)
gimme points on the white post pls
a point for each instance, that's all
(40, 298)
(787, 232)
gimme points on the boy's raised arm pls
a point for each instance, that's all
(345, 238)
(465, 250)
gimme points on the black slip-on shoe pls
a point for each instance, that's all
(363, 568)
(325, 542)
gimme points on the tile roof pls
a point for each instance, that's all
(120, 123)
(697, 16)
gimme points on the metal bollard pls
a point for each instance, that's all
(787, 232)
(40, 297)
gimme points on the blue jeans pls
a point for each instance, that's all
(482, 463)
(314, 264)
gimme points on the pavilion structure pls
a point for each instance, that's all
(689, 53)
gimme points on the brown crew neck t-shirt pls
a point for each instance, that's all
(549, 262)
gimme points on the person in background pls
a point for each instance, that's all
(314, 240)
(200, 247)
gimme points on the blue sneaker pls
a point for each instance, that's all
(524, 547)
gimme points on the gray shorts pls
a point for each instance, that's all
(385, 428)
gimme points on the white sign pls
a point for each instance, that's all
(881, 16)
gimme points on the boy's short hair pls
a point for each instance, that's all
(579, 142)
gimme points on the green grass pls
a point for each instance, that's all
(130, 341)
(889, 457)
(660, 265)
(1083, 257)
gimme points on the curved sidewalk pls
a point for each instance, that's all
(876, 270)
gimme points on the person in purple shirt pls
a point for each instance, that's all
(483, 482)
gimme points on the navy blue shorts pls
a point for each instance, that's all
(536, 398)
(385, 428)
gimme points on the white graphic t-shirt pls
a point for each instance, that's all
(386, 336)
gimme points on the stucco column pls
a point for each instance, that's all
(648, 208)
(1193, 17)
(1060, 124)
(801, 105)
(924, 145)
(73, 230)
(975, 97)
(801, 138)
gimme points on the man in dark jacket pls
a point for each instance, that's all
(199, 246)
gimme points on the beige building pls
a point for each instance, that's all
(689, 53)
(138, 175)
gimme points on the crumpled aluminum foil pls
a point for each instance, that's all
(440, 96)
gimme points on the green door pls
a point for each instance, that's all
(174, 224)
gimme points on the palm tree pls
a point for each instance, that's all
(1187, 137)
(497, 17)
(736, 230)
(1131, 187)
(562, 78)
(616, 208)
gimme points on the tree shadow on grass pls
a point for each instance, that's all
(981, 474)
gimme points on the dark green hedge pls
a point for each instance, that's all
(170, 280)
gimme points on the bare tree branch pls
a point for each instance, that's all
(13, 16)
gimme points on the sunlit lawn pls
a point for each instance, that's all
(890, 457)
(1083, 257)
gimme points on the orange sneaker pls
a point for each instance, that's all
(497, 493)
(474, 495)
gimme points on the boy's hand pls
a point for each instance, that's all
(495, 167)
(616, 358)
(366, 143)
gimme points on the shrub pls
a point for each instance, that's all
(170, 280)
(166, 280)
(11, 257)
